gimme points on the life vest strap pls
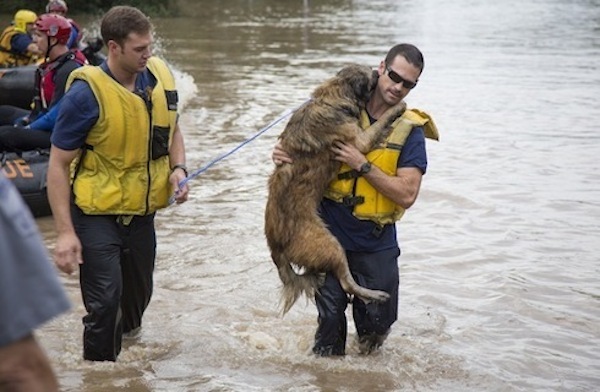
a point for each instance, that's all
(351, 201)
(348, 175)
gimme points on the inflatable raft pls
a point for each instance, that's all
(28, 172)
(17, 86)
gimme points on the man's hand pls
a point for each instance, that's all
(181, 194)
(67, 253)
(348, 154)
(280, 156)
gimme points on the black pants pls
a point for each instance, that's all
(9, 114)
(115, 277)
(371, 270)
(19, 139)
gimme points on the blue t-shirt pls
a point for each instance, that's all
(30, 292)
(364, 235)
(20, 42)
(79, 111)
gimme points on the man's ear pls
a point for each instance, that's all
(111, 45)
(381, 68)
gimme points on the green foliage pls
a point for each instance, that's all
(150, 7)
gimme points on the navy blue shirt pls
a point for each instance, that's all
(359, 235)
(20, 42)
(79, 111)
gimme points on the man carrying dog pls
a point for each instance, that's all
(361, 207)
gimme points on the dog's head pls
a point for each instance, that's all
(360, 81)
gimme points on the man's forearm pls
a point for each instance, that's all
(402, 189)
(177, 150)
(59, 195)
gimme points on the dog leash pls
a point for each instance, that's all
(204, 168)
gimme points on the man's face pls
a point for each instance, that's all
(41, 40)
(135, 52)
(395, 78)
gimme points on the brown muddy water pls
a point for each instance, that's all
(500, 266)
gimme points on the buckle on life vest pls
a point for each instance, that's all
(348, 175)
(351, 201)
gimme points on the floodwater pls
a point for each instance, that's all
(500, 264)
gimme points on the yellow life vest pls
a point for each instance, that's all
(352, 189)
(8, 58)
(124, 168)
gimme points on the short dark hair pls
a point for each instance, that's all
(411, 53)
(122, 20)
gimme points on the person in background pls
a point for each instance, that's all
(22, 129)
(89, 46)
(16, 44)
(59, 7)
(30, 295)
(361, 207)
(104, 206)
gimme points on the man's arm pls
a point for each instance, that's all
(33, 48)
(23, 44)
(177, 157)
(67, 253)
(402, 189)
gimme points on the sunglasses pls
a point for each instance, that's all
(399, 79)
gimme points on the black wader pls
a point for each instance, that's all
(371, 270)
(116, 278)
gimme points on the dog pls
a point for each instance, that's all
(301, 246)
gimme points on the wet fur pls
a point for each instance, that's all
(301, 245)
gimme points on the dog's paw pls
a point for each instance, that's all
(398, 109)
(380, 296)
(392, 113)
(369, 296)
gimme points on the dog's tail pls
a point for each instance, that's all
(294, 285)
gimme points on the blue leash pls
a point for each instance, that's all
(225, 155)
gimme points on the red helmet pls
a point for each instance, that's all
(57, 6)
(54, 25)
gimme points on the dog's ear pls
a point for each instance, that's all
(363, 83)
(375, 77)
(357, 81)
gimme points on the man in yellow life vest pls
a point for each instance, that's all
(117, 123)
(16, 43)
(361, 206)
